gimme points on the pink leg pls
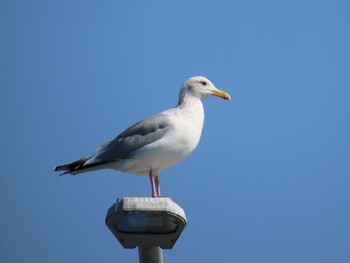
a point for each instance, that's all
(151, 178)
(157, 185)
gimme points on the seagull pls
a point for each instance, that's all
(155, 143)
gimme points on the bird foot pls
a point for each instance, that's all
(161, 196)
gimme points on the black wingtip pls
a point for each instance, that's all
(63, 174)
(77, 166)
(60, 168)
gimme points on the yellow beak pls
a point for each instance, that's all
(222, 94)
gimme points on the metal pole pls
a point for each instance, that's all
(149, 254)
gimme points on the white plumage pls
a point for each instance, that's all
(155, 143)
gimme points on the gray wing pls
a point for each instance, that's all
(132, 139)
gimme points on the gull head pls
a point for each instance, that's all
(201, 88)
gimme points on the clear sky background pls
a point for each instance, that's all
(269, 181)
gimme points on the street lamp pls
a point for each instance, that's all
(147, 223)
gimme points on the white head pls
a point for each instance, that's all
(201, 88)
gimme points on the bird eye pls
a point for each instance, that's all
(204, 83)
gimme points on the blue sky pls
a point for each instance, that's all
(269, 181)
